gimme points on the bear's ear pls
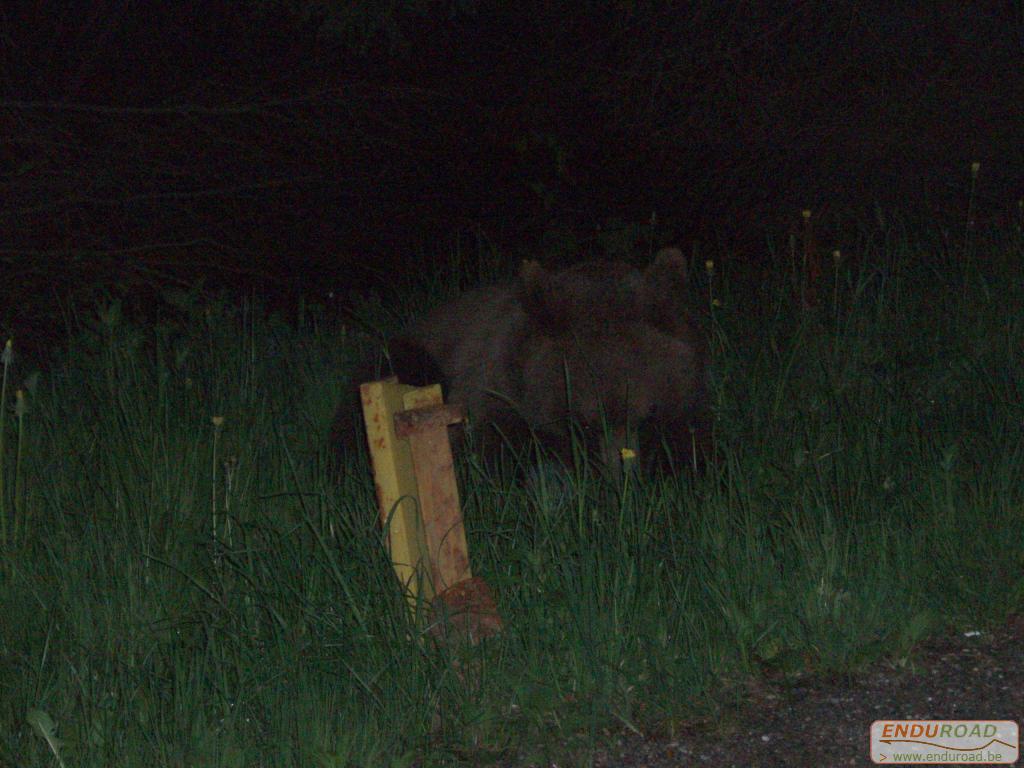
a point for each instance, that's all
(535, 293)
(665, 278)
(531, 273)
(669, 260)
(665, 288)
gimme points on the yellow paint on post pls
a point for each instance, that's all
(395, 480)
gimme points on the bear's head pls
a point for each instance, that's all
(614, 351)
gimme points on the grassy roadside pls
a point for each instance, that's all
(181, 585)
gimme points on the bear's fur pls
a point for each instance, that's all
(602, 345)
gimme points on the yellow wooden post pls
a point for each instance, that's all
(395, 480)
(418, 500)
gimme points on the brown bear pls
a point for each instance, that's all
(600, 350)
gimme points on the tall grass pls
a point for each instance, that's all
(187, 587)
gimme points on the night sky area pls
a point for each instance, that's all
(303, 146)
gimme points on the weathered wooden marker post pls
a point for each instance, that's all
(418, 500)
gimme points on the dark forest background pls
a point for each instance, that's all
(297, 147)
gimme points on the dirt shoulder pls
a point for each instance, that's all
(824, 722)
